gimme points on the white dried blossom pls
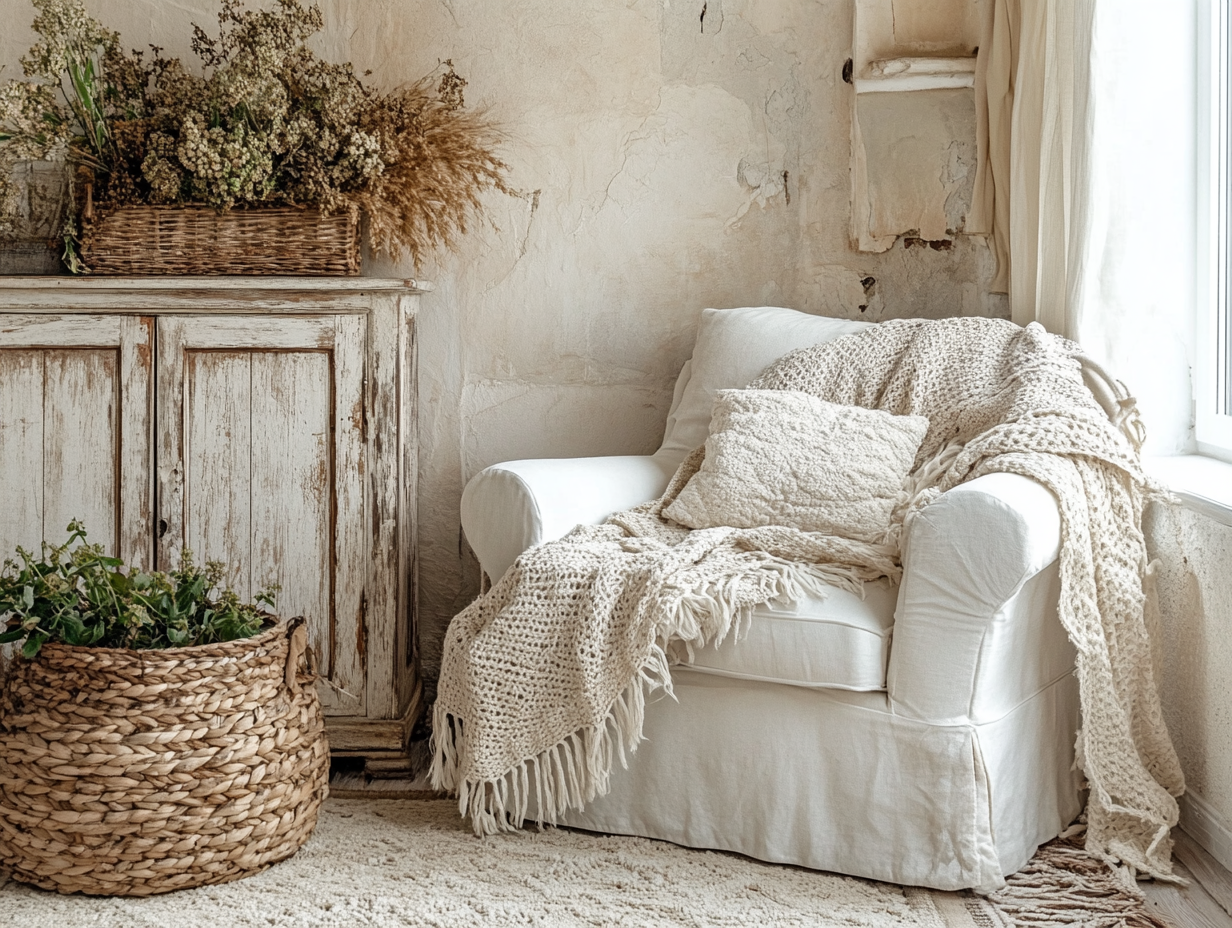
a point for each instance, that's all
(363, 155)
(225, 166)
(69, 36)
(33, 120)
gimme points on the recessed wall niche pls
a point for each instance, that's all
(913, 118)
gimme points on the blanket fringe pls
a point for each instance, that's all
(1066, 885)
(576, 770)
(566, 776)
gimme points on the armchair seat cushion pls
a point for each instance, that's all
(837, 642)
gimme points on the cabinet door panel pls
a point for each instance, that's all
(81, 442)
(291, 485)
(21, 450)
(75, 399)
(260, 466)
(218, 462)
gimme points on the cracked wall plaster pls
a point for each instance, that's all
(664, 164)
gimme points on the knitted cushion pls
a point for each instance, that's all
(781, 457)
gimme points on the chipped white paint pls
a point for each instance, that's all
(74, 427)
(906, 67)
(887, 29)
(293, 534)
(350, 579)
(81, 442)
(913, 145)
(887, 78)
(21, 449)
(250, 416)
(559, 327)
(916, 155)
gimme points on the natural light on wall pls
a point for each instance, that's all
(1213, 383)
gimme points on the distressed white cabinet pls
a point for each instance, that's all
(268, 423)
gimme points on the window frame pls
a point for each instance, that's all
(1213, 335)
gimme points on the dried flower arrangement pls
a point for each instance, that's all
(266, 123)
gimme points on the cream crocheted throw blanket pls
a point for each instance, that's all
(544, 678)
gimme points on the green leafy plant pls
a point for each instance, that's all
(77, 595)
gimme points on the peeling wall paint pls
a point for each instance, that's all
(666, 161)
(919, 154)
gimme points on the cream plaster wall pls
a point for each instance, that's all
(667, 161)
(1194, 581)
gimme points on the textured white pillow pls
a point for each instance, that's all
(780, 457)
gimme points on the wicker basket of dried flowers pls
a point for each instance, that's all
(135, 240)
(135, 771)
(258, 159)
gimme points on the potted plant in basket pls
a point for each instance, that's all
(262, 160)
(155, 732)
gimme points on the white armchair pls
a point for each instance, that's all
(922, 735)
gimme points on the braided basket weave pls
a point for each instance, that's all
(139, 772)
(139, 240)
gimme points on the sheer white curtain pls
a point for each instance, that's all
(1086, 185)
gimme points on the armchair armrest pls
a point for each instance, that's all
(509, 507)
(976, 629)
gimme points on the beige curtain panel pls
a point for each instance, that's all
(1032, 196)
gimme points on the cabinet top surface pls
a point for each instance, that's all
(217, 284)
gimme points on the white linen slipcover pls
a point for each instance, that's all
(949, 776)
(839, 642)
(510, 507)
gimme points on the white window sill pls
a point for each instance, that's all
(1204, 484)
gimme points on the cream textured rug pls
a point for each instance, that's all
(411, 863)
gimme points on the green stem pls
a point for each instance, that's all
(85, 106)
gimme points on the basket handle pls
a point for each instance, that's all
(296, 649)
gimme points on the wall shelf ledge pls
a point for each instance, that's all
(917, 73)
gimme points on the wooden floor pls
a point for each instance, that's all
(347, 779)
(1205, 903)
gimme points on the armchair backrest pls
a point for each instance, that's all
(733, 347)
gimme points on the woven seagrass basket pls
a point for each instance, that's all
(140, 240)
(140, 772)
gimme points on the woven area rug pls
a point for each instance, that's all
(412, 863)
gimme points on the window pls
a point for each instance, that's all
(1213, 383)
